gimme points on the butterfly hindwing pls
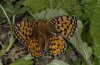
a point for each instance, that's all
(57, 45)
(65, 25)
(34, 49)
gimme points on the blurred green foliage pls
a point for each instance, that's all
(88, 11)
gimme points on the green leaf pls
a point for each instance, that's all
(21, 10)
(49, 13)
(71, 6)
(2, 16)
(15, 9)
(81, 46)
(18, 5)
(95, 29)
(96, 61)
(23, 61)
(9, 7)
(77, 62)
(36, 5)
(57, 62)
(89, 7)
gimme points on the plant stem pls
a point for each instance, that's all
(5, 14)
(13, 19)
(11, 39)
(11, 29)
(12, 36)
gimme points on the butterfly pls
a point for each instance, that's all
(46, 36)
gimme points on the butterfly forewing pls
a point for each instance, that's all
(23, 31)
(65, 25)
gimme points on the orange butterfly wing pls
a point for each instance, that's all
(34, 49)
(57, 45)
(65, 25)
(24, 32)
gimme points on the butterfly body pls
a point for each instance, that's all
(46, 36)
